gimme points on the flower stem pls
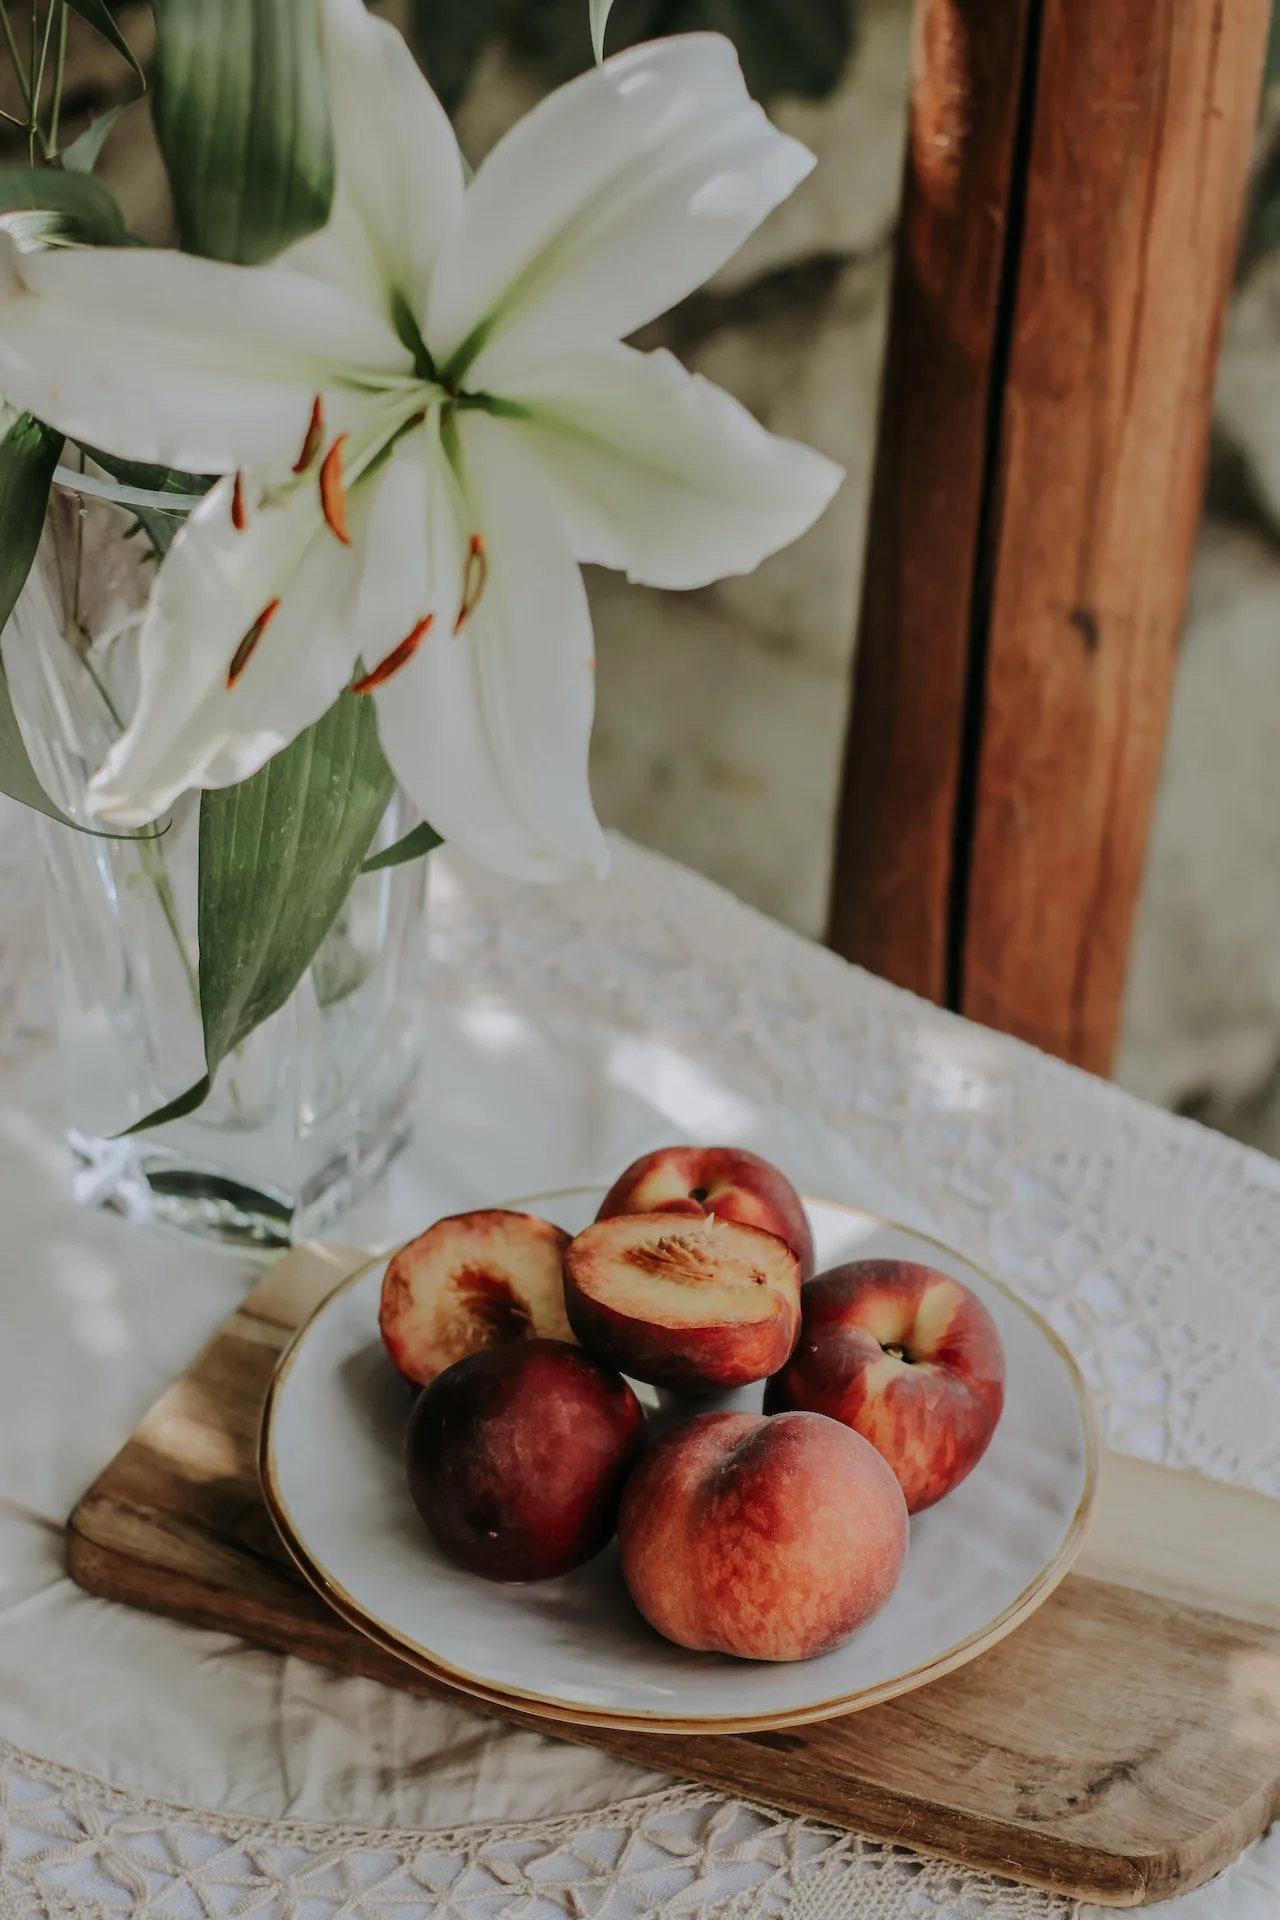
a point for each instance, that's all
(45, 41)
(59, 79)
(33, 110)
(24, 84)
(152, 862)
(38, 84)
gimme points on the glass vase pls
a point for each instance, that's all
(309, 1110)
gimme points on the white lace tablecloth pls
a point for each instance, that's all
(151, 1769)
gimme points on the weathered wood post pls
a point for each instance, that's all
(1074, 182)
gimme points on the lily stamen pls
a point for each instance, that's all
(244, 652)
(398, 657)
(474, 577)
(333, 492)
(239, 517)
(314, 437)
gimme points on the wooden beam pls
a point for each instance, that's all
(1039, 473)
(894, 847)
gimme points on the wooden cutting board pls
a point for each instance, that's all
(1120, 1746)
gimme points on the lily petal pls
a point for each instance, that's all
(660, 473)
(487, 727)
(399, 179)
(183, 362)
(618, 195)
(205, 627)
(405, 551)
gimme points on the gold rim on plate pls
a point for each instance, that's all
(547, 1707)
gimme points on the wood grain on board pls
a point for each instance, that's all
(1120, 1746)
(1033, 520)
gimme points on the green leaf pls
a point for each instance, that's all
(136, 473)
(160, 526)
(240, 99)
(99, 18)
(600, 11)
(176, 1109)
(159, 529)
(56, 207)
(29, 453)
(279, 853)
(411, 846)
(82, 155)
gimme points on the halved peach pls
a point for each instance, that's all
(474, 1280)
(694, 1304)
(729, 1182)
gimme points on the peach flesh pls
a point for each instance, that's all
(691, 1304)
(769, 1539)
(906, 1356)
(473, 1280)
(729, 1183)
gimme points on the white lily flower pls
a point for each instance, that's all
(425, 421)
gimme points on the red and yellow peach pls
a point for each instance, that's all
(905, 1356)
(771, 1539)
(728, 1183)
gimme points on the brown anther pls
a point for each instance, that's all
(239, 517)
(314, 436)
(396, 659)
(244, 652)
(333, 493)
(474, 575)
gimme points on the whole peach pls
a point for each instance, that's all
(771, 1539)
(729, 1182)
(906, 1356)
(517, 1457)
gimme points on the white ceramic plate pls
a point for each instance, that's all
(575, 1648)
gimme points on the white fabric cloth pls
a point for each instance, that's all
(570, 1030)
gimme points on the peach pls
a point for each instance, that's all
(694, 1304)
(906, 1356)
(474, 1280)
(729, 1182)
(517, 1457)
(771, 1539)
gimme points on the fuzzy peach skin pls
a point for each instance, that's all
(473, 1280)
(517, 1457)
(694, 1304)
(771, 1539)
(729, 1182)
(906, 1356)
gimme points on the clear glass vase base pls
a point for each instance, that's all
(157, 1185)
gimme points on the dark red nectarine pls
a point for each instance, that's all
(517, 1457)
